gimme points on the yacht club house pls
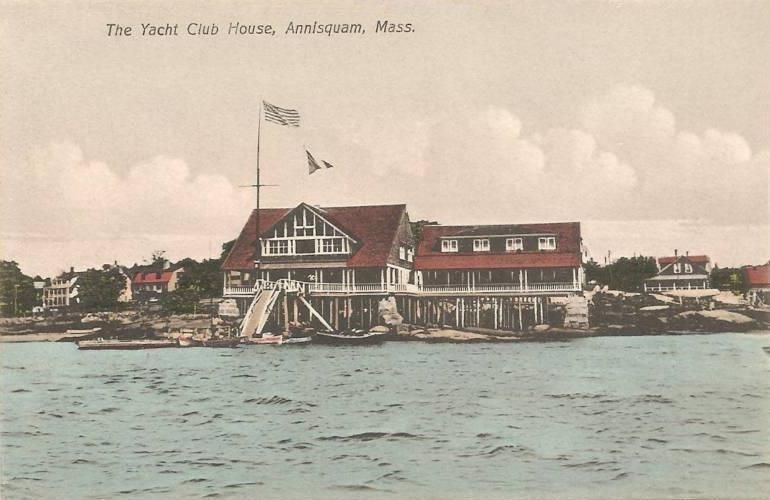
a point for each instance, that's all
(333, 265)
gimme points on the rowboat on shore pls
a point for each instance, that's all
(356, 337)
(221, 342)
(87, 331)
(298, 340)
(264, 339)
(126, 344)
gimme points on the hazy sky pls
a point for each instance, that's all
(649, 122)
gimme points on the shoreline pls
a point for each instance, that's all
(446, 335)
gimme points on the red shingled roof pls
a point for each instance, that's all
(695, 259)
(757, 275)
(429, 255)
(152, 277)
(374, 227)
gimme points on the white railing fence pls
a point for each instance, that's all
(312, 287)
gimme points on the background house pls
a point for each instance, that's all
(63, 291)
(757, 280)
(148, 283)
(680, 272)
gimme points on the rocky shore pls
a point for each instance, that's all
(610, 314)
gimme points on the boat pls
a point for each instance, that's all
(188, 340)
(221, 342)
(126, 344)
(264, 339)
(298, 340)
(84, 332)
(354, 337)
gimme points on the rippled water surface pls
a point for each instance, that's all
(647, 417)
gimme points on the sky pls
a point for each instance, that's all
(648, 122)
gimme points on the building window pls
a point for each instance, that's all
(513, 244)
(402, 253)
(677, 268)
(688, 268)
(331, 245)
(277, 247)
(481, 245)
(449, 245)
(546, 243)
(304, 225)
(409, 254)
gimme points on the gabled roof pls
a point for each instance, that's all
(373, 227)
(429, 254)
(152, 277)
(502, 230)
(695, 259)
(757, 275)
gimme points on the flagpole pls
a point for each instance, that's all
(258, 257)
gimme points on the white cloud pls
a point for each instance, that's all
(79, 204)
(627, 161)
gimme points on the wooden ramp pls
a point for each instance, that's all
(259, 310)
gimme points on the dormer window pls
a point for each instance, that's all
(546, 243)
(513, 244)
(481, 245)
(402, 253)
(677, 268)
(409, 255)
(449, 245)
(688, 269)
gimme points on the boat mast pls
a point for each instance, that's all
(258, 253)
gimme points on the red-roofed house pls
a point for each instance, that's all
(148, 284)
(362, 249)
(680, 272)
(500, 258)
(757, 279)
(339, 262)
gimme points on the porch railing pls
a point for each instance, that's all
(375, 288)
(500, 288)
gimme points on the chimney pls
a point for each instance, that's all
(676, 252)
(72, 269)
(687, 253)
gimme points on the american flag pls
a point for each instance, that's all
(311, 163)
(281, 116)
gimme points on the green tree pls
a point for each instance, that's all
(417, 228)
(181, 301)
(594, 272)
(204, 277)
(99, 289)
(17, 293)
(626, 274)
(226, 247)
(728, 278)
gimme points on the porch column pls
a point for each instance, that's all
(574, 278)
(526, 285)
(457, 313)
(382, 278)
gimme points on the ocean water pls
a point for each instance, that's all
(613, 417)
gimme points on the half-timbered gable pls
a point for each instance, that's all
(345, 246)
(306, 230)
